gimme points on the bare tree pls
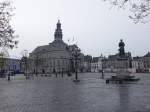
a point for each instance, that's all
(3, 55)
(25, 62)
(7, 36)
(36, 64)
(140, 9)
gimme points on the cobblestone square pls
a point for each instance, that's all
(91, 94)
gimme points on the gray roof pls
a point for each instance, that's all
(147, 55)
(54, 46)
(95, 59)
(137, 58)
(87, 58)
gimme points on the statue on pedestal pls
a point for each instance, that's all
(121, 48)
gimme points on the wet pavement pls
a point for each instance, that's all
(91, 94)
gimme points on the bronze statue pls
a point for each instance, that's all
(121, 48)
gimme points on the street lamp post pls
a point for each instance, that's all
(36, 65)
(25, 62)
(76, 69)
(76, 54)
(24, 66)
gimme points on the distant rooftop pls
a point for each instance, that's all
(95, 59)
(147, 55)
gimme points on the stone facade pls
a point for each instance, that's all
(115, 62)
(87, 63)
(138, 64)
(55, 57)
(10, 64)
(96, 64)
(146, 61)
(120, 60)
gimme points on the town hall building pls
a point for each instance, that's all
(54, 57)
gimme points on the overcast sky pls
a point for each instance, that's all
(95, 27)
